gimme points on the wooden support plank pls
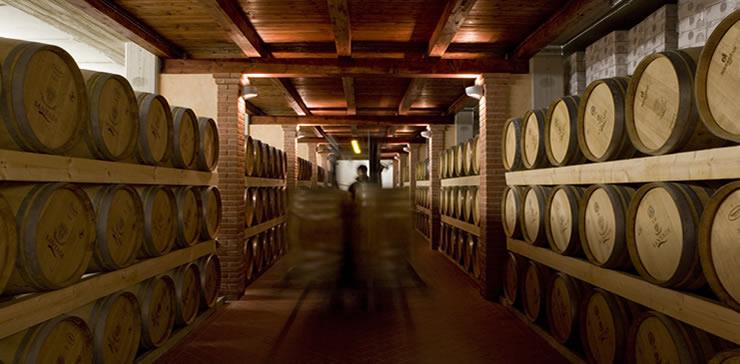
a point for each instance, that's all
(697, 311)
(461, 181)
(348, 83)
(449, 23)
(291, 94)
(424, 210)
(709, 164)
(232, 18)
(362, 120)
(339, 15)
(33, 167)
(254, 230)
(120, 20)
(252, 109)
(26, 311)
(412, 93)
(380, 140)
(460, 103)
(462, 225)
(263, 182)
(413, 49)
(422, 183)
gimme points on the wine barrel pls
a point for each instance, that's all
(602, 225)
(453, 243)
(454, 195)
(462, 196)
(604, 325)
(454, 172)
(534, 286)
(533, 140)
(443, 164)
(257, 254)
(158, 301)
(64, 339)
(561, 219)
(206, 157)
(511, 207)
(189, 215)
(660, 109)
(662, 229)
(460, 159)
(55, 224)
(717, 77)
(113, 126)
(269, 161)
(155, 130)
(185, 138)
(657, 338)
(470, 204)
(533, 214)
(563, 301)
(43, 104)
(602, 134)
(474, 161)
(209, 268)
(513, 275)
(561, 132)
(259, 156)
(718, 248)
(115, 322)
(511, 142)
(249, 157)
(726, 357)
(8, 242)
(450, 160)
(160, 221)
(470, 257)
(119, 226)
(250, 206)
(444, 237)
(475, 207)
(187, 293)
(248, 256)
(470, 157)
(211, 213)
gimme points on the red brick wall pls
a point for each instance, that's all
(290, 145)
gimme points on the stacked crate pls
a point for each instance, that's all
(607, 57)
(698, 18)
(657, 33)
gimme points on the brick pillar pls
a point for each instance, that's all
(290, 145)
(413, 156)
(436, 146)
(396, 175)
(314, 165)
(230, 118)
(494, 110)
(402, 166)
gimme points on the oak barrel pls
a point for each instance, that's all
(533, 214)
(513, 275)
(160, 220)
(454, 196)
(189, 215)
(471, 156)
(158, 301)
(561, 132)
(257, 254)
(604, 326)
(187, 293)
(657, 338)
(248, 259)
(444, 237)
(511, 145)
(267, 160)
(64, 339)
(475, 207)
(119, 226)
(443, 201)
(662, 230)
(717, 77)
(259, 156)
(55, 225)
(185, 138)
(561, 219)
(462, 196)
(250, 206)
(470, 204)
(443, 164)
(250, 161)
(474, 158)
(470, 253)
(155, 129)
(718, 244)
(511, 210)
(450, 160)
(534, 287)
(454, 172)
(563, 304)
(533, 140)
(602, 225)
(206, 157)
(726, 357)
(211, 212)
(602, 133)
(454, 246)
(115, 322)
(661, 114)
(43, 104)
(8, 242)
(460, 159)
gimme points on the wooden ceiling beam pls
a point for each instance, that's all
(381, 140)
(460, 103)
(252, 109)
(359, 120)
(339, 14)
(292, 96)
(121, 21)
(348, 83)
(449, 23)
(316, 67)
(382, 47)
(231, 16)
(412, 93)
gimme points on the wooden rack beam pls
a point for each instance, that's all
(263, 182)
(364, 120)
(422, 183)
(462, 225)
(461, 181)
(254, 230)
(424, 210)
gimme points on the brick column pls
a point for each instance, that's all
(402, 166)
(230, 118)
(436, 146)
(494, 110)
(413, 156)
(290, 145)
(396, 175)
(314, 164)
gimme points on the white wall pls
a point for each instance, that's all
(197, 92)
(270, 134)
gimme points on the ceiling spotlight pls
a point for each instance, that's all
(426, 134)
(249, 92)
(356, 146)
(474, 91)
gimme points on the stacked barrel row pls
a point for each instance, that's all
(460, 160)
(262, 204)
(461, 203)
(461, 247)
(305, 170)
(422, 197)
(263, 160)
(320, 174)
(422, 170)
(605, 327)
(263, 249)
(421, 221)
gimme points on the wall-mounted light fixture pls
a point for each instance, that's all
(248, 92)
(356, 146)
(475, 91)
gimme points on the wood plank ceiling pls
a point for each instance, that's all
(334, 58)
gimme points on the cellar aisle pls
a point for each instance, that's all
(447, 321)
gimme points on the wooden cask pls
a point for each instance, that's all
(248, 259)
(55, 224)
(561, 219)
(184, 139)
(160, 220)
(474, 158)
(534, 287)
(602, 133)
(657, 338)
(513, 275)
(470, 253)
(717, 77)
(454, 196)
(64, 339)
(470, 204)
(250, 206)
(475, 207)
(158, 301)
(511, 210)
(155, 130)
(459, 159)
(270, 161)
(471, 156)
(604, 326)
(602, 225)
(257, 254)
(119, 226)
(189, 215)
(718, 244)
(206, 157)
(533, 214)
(187, 293)
(250, 161)
(43, 104)
(462, 196)
(454, 237)
(259, 156)
(511, 145)
(443, 237)
(563, 304)
(113, 125)
(450, 157)
(453, 170)
(211, 212)
(533, 140)
(561, 132)
(115, 322)
(8, 242)
(662, 231)
(443, 164)
(726, 357)
(443, 200)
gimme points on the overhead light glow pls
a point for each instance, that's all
(356, 146)
(249, 92)
(475, 91)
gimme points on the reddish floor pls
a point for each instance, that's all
(445, 322)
